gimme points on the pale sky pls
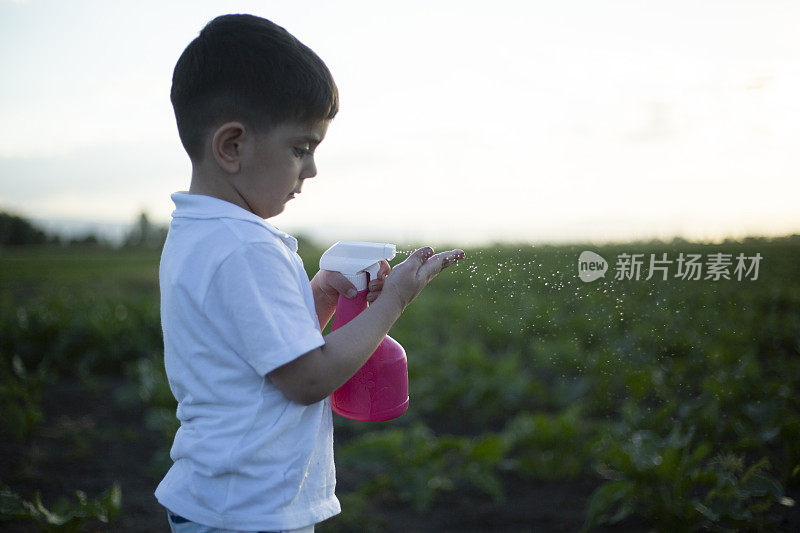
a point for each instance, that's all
(464, 122)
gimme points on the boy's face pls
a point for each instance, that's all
(275, 164)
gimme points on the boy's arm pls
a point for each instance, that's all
(314, 376)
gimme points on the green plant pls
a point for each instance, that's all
(358, 514)
(670, 481)
(416, 466)
(65, 515)
(20, 395)
(544, 446)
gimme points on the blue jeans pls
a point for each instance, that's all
(179, 524)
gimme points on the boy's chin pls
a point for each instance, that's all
(277, 211)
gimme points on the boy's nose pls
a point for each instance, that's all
(310, 171)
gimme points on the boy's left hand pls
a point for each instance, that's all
(375, 286)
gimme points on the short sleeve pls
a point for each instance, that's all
(263, 307)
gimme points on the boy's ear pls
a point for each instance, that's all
(226, 146)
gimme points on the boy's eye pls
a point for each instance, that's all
(301, 151)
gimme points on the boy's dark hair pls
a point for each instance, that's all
(242, 67)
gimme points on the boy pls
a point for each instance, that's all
(243, 348)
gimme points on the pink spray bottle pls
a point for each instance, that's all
(379, 390)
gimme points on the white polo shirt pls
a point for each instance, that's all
(236, 303)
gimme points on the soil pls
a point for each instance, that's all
(89, 440)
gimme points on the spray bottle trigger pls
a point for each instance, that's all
(373, 270)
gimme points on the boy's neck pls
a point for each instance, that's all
(216, 187)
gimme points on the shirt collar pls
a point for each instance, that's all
(189, 205)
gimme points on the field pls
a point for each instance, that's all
(539, 402)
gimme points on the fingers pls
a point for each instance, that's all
(376, 285)
(384, 269)
(416, 259)
(436, 263)
(342, 284)
(430, 264)
(452, 257)
(421, 255)
(426, 253)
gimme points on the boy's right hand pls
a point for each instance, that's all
(407, 279)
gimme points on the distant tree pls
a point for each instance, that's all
(89, 239)
(145, 234)
(16, 231)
